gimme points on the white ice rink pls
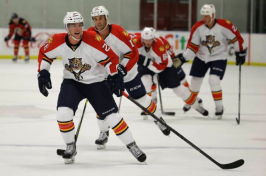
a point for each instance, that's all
(30, 134)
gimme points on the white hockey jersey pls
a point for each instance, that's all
(121, 43)
(210, 44)
(160, 59)
(85, 62)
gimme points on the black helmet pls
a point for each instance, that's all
(14, 15)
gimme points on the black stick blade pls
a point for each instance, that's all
(237, 120)
(168, 113)
(233, 165)
(60, 152)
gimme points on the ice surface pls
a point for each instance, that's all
(30, 134)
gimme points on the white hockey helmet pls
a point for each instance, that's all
(98, 11)
(148, 33)
(72, 17)
(208, 9)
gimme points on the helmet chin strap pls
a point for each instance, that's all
(212, 20)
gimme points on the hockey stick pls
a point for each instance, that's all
(239, 95)
(232, 165)
(119, 104)
(61, 151)
(161, 102)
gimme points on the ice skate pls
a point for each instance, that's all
(219, 112)
(102, 140)
(136, 152)
(27, 58)
(162, 127)
(15, 58)
(70, 153)
(187, 107)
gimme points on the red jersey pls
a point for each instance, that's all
(23, 28)
(157, 54)
(121, 43)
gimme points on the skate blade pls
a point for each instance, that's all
(145, 117)
(70, 160)
(101, 147)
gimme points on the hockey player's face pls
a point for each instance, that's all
(147, 43)
(15, 20)
(75, 30)
(100, 22)
(206, 19)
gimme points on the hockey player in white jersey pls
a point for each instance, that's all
(153, 59)
(208, 46)
(86, 59)
(121, 43)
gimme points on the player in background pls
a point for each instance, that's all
(121, 43)
(180, 71)
(208, 46)
(86, 59)
(22, 30)
(153, 59)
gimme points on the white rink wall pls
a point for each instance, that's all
(256, 43)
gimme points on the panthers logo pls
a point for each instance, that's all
(76, 68)
(210, 43)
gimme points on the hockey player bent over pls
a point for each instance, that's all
(22, 30)
(86, 58)
(208, 44)
(153, 59)
(121, 43)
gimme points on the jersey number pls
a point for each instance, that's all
(234, 28)
(106, 47)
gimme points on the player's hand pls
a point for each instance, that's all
(44, 82)
(241, 57)
(144, 61)
(121, 70)
(32, 39)
(179, 60)
(6, 38)
(117, 82)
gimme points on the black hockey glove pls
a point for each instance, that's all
(6, 38)
(121, 70)
(44, 82)
(179, 60)
(144, 61)
(32, 39)
(241, 57)
(117, 84)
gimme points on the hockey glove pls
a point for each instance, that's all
(32, 39)
(179, 60)
(6, 38)
(121, 70)
(117, 84)
(44, 82)
(241, 57)
(144, 61)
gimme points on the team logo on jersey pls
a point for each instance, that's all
(125, 33)
(210, 43)
(98, 38)
(161, 48)
(50, 40)
(76, 68)
(135, 40)
(167, 46)
(227, 21)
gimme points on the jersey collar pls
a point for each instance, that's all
(72, 47)
(212, 25)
